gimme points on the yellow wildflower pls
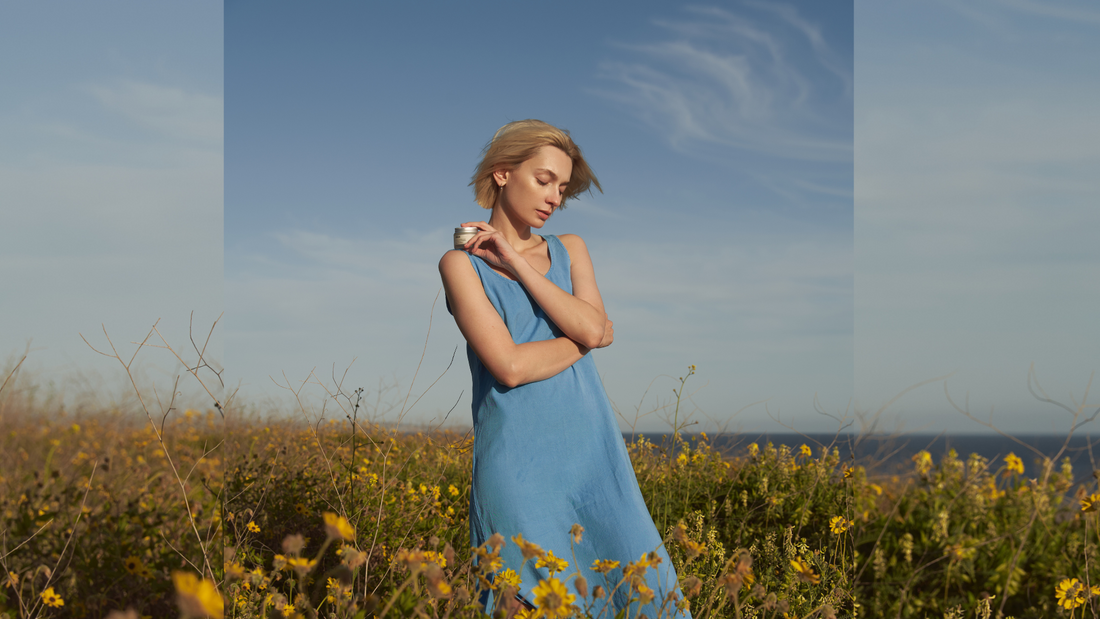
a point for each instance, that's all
(510, 578)
(754, 449)
(302, 565)
(50, 598)
(805, 572)
(452, 490)
(682, 459)
(1013, 464)
(338, 527)
(604, 566)
(252, 526)
(806, 451)
(839, 524)
(197, 598)
(554, 564)
(431, 556)
(133, 565)
(991, 489)
(495, 563)
(923, 460)
(552, 599)
(693, 548)
(635, 569)
(645, 593)
(1072, 593)
(1091, 503)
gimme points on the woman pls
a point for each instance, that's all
(548, 453)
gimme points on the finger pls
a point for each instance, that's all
(481, 225)
(483, 245)
(476, 240)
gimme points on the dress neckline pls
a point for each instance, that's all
(549, 255)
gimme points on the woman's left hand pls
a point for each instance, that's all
(608, 333)
(491, 246)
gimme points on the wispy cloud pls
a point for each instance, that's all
(736, 82)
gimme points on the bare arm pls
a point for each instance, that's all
(510, 363)
(579, 315)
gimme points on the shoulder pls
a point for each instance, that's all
(455, 263)
(576, 252)
(573, 244)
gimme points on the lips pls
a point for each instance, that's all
(544, 215)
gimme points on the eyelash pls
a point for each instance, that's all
(544, 183)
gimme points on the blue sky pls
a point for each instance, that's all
(722, 135)
(110, 187)
(977, 146)
(726, 236)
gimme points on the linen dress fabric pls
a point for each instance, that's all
(549, 454)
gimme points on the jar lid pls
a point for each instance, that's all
(467, 229)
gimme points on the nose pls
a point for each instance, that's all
(555, 197)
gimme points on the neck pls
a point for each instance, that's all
(516, 233)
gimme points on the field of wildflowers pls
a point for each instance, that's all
(195, 514)
(92, 519)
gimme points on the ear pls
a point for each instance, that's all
(501, 177)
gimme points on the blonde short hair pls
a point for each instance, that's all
(517, 142)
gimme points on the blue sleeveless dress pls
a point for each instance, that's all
(550, 454)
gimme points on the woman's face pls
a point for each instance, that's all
(533, 190)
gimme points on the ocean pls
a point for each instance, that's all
(889, 455)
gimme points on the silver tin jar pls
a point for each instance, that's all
(462, 235)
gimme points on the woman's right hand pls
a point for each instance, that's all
(491, 246)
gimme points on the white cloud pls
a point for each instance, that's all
(726, 81)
